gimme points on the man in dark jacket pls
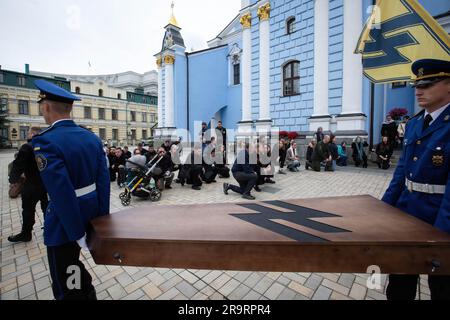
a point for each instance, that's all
(118, 165)
(33, 190)
(321, 155)
(244, 174)
(389, 129)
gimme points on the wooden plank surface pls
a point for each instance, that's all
(344, 234)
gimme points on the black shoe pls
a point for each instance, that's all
(248, 197)
(168, 187)
(270, 181)
(214, 181)
(226, 187)
(257, 189)
(21, 237)
(177, 181)
(196, 188)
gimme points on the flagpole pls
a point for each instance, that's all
(372, 105)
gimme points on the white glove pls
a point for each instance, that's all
(83, 243)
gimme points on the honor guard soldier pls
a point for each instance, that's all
(421, 183)
(73, 168)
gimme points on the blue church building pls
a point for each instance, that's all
(288, 64)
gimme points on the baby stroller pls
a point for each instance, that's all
(141, 183)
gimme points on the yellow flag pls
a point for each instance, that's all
(398, 33)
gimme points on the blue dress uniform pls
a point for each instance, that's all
(72, 164)
(421, 182)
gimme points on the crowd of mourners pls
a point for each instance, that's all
(253, 166)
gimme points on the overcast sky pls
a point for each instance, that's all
(63, 36)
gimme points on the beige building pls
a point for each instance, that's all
(117, 116)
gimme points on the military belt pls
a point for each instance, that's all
(425, 188)
(86, 190)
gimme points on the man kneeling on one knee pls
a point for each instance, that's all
(244, 174)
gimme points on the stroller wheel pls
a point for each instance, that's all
(123, 195)
(155, 195)
(125, 198)
(126, 202)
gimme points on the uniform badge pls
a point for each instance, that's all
(438, 158)
(421, 72)
(447, 117)
(41, 162)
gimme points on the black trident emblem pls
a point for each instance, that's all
(300, 216)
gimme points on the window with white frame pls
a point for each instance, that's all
(23, 107)
(290, 25)
(291, 79)
(234, 57)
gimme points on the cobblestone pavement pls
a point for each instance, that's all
(24, 272)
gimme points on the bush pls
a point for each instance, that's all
(292, 135)
(398, 113)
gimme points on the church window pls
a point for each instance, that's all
(291, 79)
(290, 25)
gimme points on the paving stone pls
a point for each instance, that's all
(169, 295)
(274, 291)
(228, 288)
(188, 276)
(313, 282)
(152, 291)
(186, 289)
(287, 294)
(263, 285)
(252, 295)
(336, 287)
(116, 292)
(135, 295)
(26, 290)
(301, 289)
(220, 281)
(322, 293)
(241, 291)
(358, 292)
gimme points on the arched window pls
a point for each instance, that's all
(291, 79)
(100, 92)
(119, 96)
(290, 25)
(77, 90)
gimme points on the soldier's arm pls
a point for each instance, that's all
(397, 185)
(19, 164)
(443, 217)
(103, 185)
(59, 187)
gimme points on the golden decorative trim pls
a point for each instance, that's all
(169, 59)
(159, 62)
(246, 20)
(436, 75)
(264, 12)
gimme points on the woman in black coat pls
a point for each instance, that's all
(359, 154)
(384, 153)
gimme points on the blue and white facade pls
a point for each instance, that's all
(240, 79)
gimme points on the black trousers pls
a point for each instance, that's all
(195, 175)
(404, 287)
(70, 279)
(31, 195)
(247, 182)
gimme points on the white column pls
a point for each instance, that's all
(169, 97)
(352, 117)
(321, 116)
(264, 62)
(160, 95)
(246, 68)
